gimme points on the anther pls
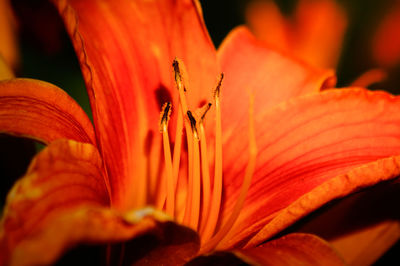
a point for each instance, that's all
(169, 189)
(193, 124)
(217, 90)
(165, 115)
(178, 73)
(207, 108)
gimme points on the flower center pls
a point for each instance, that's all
(203, 202)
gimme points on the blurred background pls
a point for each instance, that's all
(363, 35)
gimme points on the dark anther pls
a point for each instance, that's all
(192, 121)
(218, 88)
(166, 112)
(178, 74)
(164, 116)
(206, 110)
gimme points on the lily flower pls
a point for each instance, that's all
(246, 168)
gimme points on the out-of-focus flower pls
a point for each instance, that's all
(8, 27)
(386, 41)
(298, 149)
(314, 32)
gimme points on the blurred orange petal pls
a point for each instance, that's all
(8, 35)
(268, 24)
(5, 70)
(315, 32)
(369, 78)
(386, 41)
(320, 27)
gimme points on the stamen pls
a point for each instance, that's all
(193, 124)
(180, 84)
(217, 90)
(178, 74)
(165, 116)
(207, 108)
(193, 200)
(181, 88)
(205, 171)
(166, 112)
(217, 189)
(195, 210)
(219, 237)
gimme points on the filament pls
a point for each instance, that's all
(177, 147)
(206, 176)
(217, 239)
(177, 65)
(217, 189)
(166, 111)
(195, 209)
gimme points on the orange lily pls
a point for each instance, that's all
(314, 33)
(83, 187)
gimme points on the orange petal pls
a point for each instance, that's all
(318, 142)
(80, 225)
(63, 176)
(126, 51)
(386, 41)
(8, 28)
(42, 111)
(320, 27)
(292, 249)
(63, 201)
(249, 65)
(337, 187)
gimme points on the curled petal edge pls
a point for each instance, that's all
(335, 188)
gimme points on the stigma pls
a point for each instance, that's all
(202, 203)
